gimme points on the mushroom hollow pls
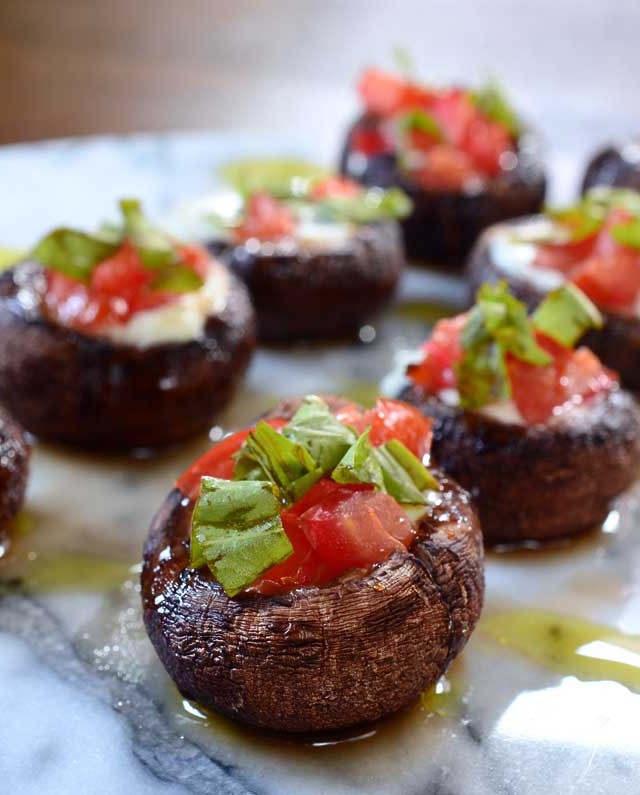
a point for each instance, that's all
(313, 293)
(617, 343)
(614, 166)
(317, 658)
(85, 391)
(540, 482)
(445, 224)
(14, 471)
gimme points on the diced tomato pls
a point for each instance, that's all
(265, 218)
(485, 142)
(118, 288)
(387, 95)
(217, 462)
(611, 282)
(351, 414)
(333, 188)
(455, 113)
(563, 256)
(446, 168)
(369, 142)
(441, 352)
(393, 419)
(538, 390)
(355, 528)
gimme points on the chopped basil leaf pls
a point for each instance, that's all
(72, 253)
(367, 207)
(421, 121)
(315, 428)
(391, 468)
(627, 234)
(359, 465)
(178, 280)
(268, 455)
(565, 315)
(491, 100)
(155, 248)
(497, 325)
(237, 531)
(403, 61)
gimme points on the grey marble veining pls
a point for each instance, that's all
(85, 704)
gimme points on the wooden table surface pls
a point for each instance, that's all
(81, 66)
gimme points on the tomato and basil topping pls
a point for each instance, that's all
(102, 279)
(278, 197)
(596, 245)
(287, 504)
(445, 138)
(497, 352)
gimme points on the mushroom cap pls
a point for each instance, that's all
(614, 166)
(14, 471)
(316, 658)
(617, 343)
(84, 391)
(445, 224)
(314, 294)
(539, 482)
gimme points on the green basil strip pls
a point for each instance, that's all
(359, 465)
(423, 122)
(237, 531)
(72, 253)
(566, 315)
(178, 279)
(155, 247)
(491, 100)
(367, 207)
(268, 455)
(315, 428)
(627, 234)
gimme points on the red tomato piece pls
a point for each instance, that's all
(334, 188)
(369, 142)
(612, 282)
(356, 529)
(446, 168)
(563, 256)
(393, 419)
(441, 352)
(455, 112)
(386, 95)
(485, 142)
(265, 218)
(217, 462)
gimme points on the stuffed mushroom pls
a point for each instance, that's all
(120, 340)
(615, 166)
(540, 433)
(310, 573)
(14, 470)
(463, 157)
(594, 244)
(321, 257)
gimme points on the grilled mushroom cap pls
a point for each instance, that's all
(540, 482)
(617, 344)
(72, 388)
(614, 166)
(318, 658)
(14, 470)
(445, 224)
(311, 294)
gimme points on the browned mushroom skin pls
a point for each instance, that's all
(14, 470)
(320, 658)
(74, 389)
(445, 224)
(617, 344)
(540, 482)
(313, 295)
(615, 167)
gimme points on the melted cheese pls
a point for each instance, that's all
(181, 320)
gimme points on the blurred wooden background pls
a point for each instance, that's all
(72, 67)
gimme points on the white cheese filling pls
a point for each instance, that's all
(181, 320)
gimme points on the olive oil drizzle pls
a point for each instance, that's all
(568, 645)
